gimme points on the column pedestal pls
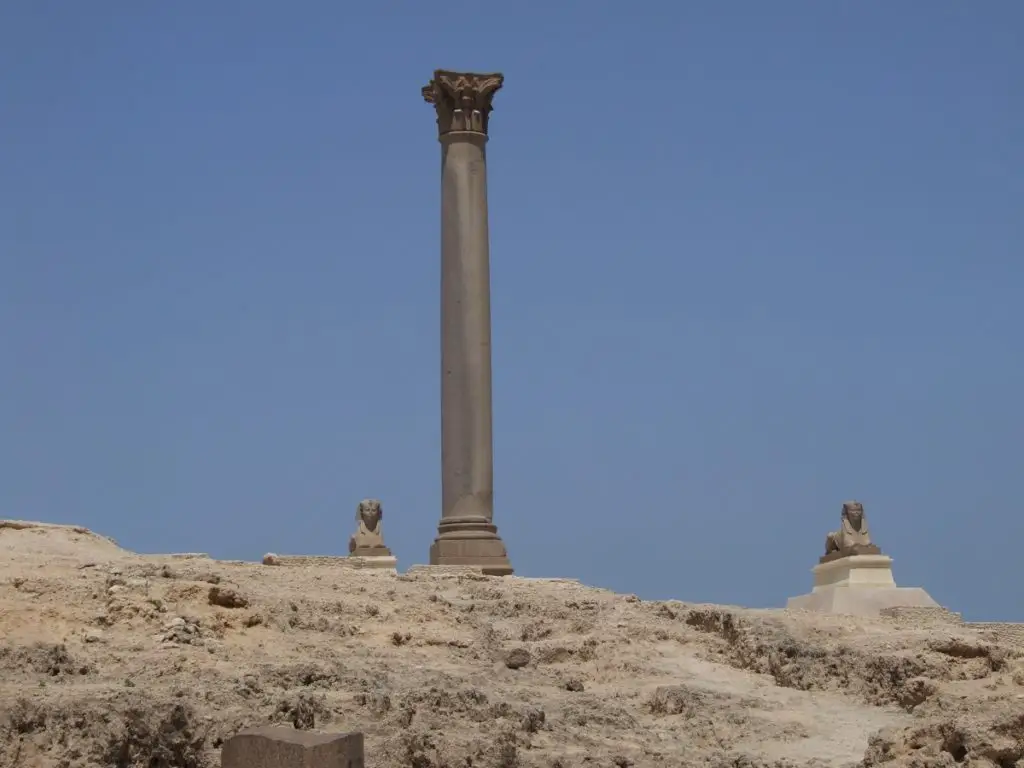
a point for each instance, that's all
(468, 541)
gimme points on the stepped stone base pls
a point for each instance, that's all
(472, 542)
(858, 585)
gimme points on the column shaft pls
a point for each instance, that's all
(467, 467)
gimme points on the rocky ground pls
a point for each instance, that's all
(108, 658)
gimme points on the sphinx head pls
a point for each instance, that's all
(369, 513)
(854, 512)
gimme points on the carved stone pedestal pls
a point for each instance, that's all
(854, 571)
(476, 544)
(858, 585)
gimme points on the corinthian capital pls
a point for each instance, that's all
(462, 99)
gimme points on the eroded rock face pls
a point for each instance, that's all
(992, 737)
(904, 668)
(157, 671)
(122, 729)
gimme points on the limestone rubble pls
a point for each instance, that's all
(108, 658)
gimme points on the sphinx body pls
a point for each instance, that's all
(853, 536)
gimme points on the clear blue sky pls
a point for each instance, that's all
(748, 260)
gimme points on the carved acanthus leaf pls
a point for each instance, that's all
(463, 100)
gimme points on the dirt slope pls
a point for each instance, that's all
(108, 658)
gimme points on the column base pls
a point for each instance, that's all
(470, 541)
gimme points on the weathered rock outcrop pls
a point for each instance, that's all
(111, 658)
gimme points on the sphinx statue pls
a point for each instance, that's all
(368, 541)
(852, 538)
(853, 577)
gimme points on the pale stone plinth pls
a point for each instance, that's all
(859, 585)
(855, 571)
(375, 561)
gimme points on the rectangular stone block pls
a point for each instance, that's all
(862, 571)
(283, 747)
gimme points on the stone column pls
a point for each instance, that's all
(466, 534)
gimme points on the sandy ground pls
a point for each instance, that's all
(109, 658)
